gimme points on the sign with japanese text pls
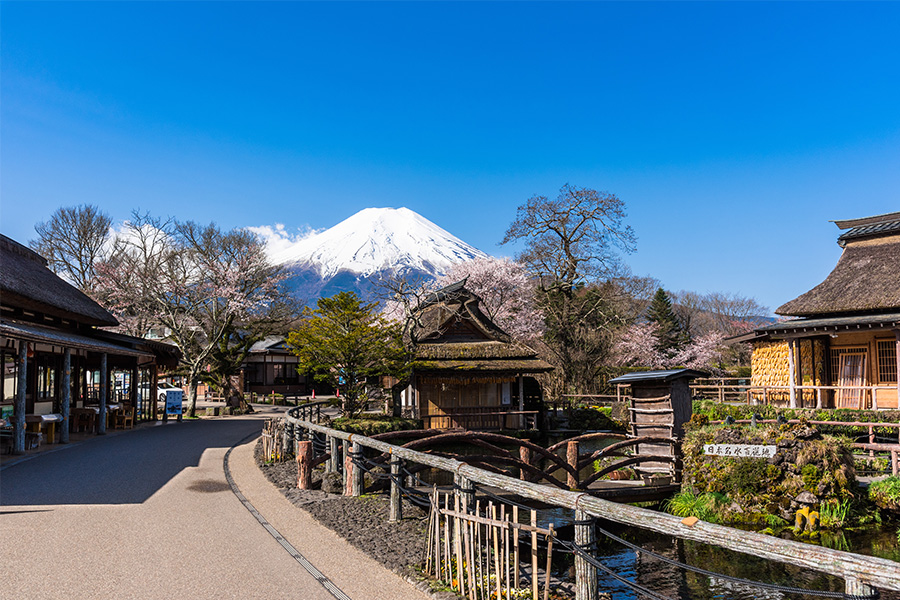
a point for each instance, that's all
(740, 450)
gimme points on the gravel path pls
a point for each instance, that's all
(361, 521)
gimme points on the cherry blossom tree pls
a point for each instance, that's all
(638, 346)
(198, 282)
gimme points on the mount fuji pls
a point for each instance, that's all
(373, 243)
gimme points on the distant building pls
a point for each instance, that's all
(47, 327)
(272, 367)
(842, 347)
(468, 372)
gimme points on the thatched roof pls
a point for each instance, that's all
(26, 283)
(869, 227)
(457, 337)
(453, 314)
(865, 279)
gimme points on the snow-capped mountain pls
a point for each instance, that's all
(372, 243)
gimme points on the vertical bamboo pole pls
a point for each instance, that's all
(396, 500)
(585, 572)
(516, 558)
(436, 508)
(495, 538)
(534, 556)
(549, 563)
(572, 459)
(458, 547)
(470, 558)
(448, 566)
(506, 531)
(429, 531)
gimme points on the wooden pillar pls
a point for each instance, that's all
(304, 465)
(19, 408)
(792, 374)
(396, 500)
(465, 489)
(897, 356)
(522, 402)
(66, 395)
(572, 459)
(585, 572)
(133, 393)
(104, 384)
(525, 457)
(345, 453)
(355, 483)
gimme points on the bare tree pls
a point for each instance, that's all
(572, 245)
(73, 241)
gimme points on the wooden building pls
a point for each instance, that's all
(60, 370)
(841, 348)
(468, 373)
(272, 367)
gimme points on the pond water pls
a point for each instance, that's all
(678, 584)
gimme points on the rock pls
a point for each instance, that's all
(333, 483)
(735, 508)
(806, 498)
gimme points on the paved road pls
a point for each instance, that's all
(150, 514)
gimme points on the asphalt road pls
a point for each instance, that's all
(150, 514)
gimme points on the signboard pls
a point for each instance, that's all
(740, 450)
(174, 400)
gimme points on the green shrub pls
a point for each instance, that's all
(370, 425)
(706, 507)
(886, 493)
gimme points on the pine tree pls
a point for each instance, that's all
(671, 335)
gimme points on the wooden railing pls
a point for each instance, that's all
(483, 420)
(804, 396)
(861, 573)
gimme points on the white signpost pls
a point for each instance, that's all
(740, 450)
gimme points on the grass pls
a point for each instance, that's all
(705, 507)
(833, 515)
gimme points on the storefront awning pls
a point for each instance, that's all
(56, 337)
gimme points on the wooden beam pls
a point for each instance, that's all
(792, 375)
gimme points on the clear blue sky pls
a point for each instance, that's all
(732, 131)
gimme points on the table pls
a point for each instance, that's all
(49, 421)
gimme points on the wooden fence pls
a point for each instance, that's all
(862, 574)
(476, 551)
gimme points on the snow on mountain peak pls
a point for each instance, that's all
(373, 240)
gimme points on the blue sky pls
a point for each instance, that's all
(733, 132)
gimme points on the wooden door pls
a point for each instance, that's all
(851, 372)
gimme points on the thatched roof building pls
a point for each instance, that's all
(848, 331)
(866, 278)
(49, 329)
(467, 370)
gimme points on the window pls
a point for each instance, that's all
(887, 361)
(10, 377)
(836, 354)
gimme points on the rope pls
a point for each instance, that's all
(597, 564)
(757, 584)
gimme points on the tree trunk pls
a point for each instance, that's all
(192, 395)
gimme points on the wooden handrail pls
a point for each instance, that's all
(857, 570)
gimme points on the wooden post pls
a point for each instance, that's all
(819, 398)
(585, 572)
(897, 356)
(133, 393)
(465, 489)
(516, 558)
(525, 457)
(334, 461)
(67, 395)
(288, 440)
(871, 440)
(104, 377)
(895, 463)
(356, 477)
(304, 465)
(792, 379)
(572, 459)
(396, 500)
(855, 587)
(19, 409)
(549, 563)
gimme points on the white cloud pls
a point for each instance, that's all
(279, 241)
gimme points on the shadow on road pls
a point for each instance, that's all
(122, 469)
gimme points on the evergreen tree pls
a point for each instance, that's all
(671, 335)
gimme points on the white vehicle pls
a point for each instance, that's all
(164, 387)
